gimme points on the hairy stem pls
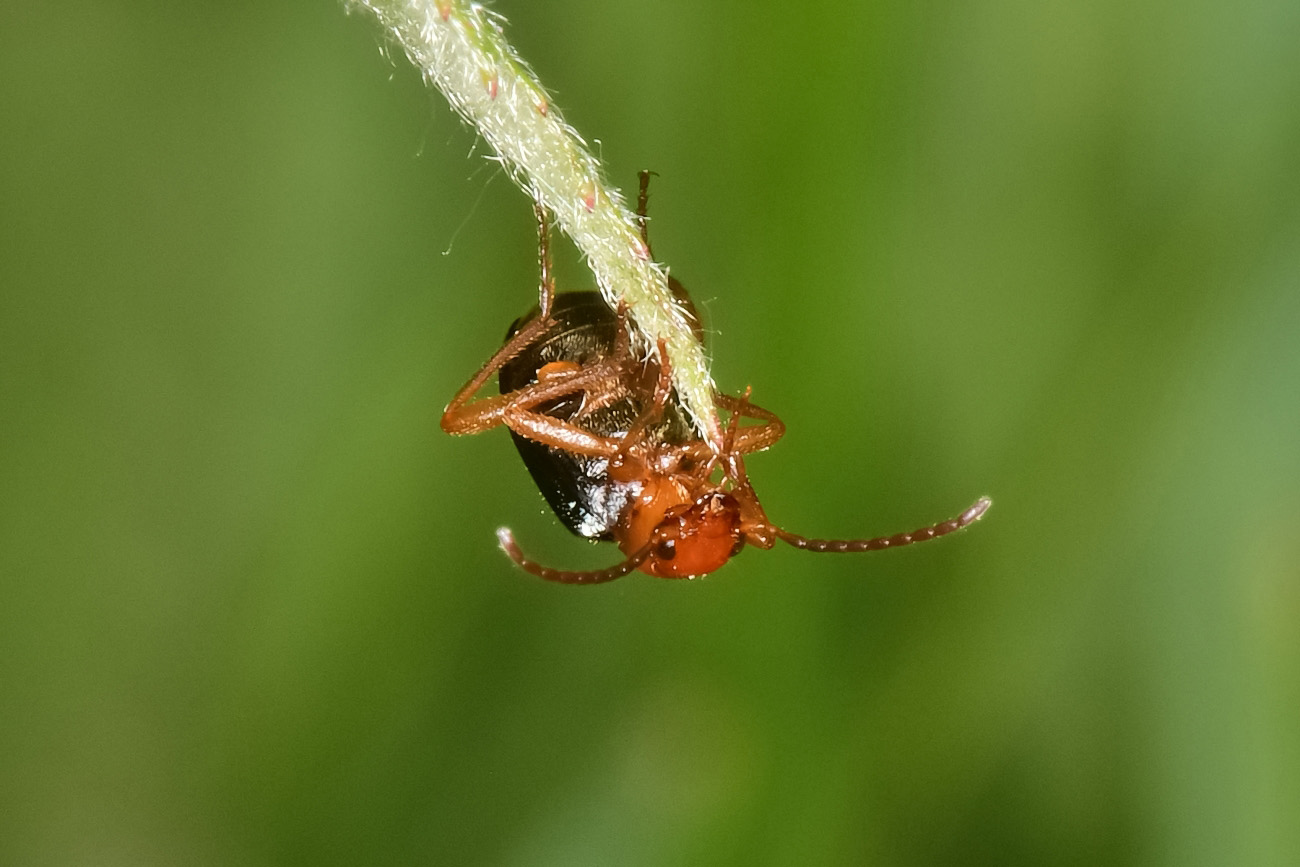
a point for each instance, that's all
(460, 48)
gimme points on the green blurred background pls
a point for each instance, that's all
(253, 611)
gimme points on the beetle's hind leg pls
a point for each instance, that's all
(742, 439)
(519, 410)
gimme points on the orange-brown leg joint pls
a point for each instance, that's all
(554, 369)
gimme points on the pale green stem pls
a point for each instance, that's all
(459, 47)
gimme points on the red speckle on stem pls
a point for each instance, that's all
(542, 107)
(588, 193)
(642, 251)
(444, 9)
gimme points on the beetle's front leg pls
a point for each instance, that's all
(741, 440)
(752, 438)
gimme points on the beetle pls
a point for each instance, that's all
(604, 436)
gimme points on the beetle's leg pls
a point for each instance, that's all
(684, 302)
(754, 527)
(622, 351)
(624, 465)
(622, 337)
(726, 456)
(654, 410)
(751, 438)
(598, 576)
(740, 407)
(546, 283)
(664, 380)
(754, 524)
(558, 433)
(593, 383)
(664, 383)
(463, 415)
(517, 411)
(642, 199)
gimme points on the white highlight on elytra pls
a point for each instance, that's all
(459, 47)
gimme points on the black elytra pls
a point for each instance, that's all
(578, 487)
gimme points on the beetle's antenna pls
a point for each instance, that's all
(853, 546)
(562, 576)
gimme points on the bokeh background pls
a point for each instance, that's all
(252, 609)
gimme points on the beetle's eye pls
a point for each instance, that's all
(666, 549)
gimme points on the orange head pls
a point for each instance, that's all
(696, 539)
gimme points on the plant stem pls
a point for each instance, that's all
(460, 48)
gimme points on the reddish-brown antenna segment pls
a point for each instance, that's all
(857, 546)
(562, 576)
